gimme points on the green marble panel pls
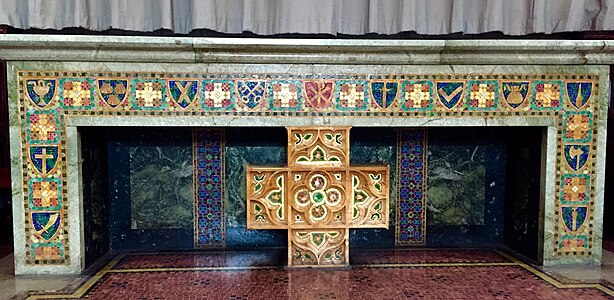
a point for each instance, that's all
(253, 146)
(456, 176)
(161, 186)
(375, 146)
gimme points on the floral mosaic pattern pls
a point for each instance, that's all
(46, 96)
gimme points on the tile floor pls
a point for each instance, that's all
(385, 274)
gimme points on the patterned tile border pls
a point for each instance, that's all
(412, 186)
(46, 97)
(209, 188)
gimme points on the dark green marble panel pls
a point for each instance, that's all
(253, 146)
(375, 146)
(161, 186)
(466, 186)
(150, 188)
(456, 177)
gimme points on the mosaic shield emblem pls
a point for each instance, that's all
(450, 92)
(318, 94)
(384, 93)
(574, 217)
(251, 92)
(44, 158)
(41, 91)
(46, 224)
(579, 93)
(183, 92)
(515, 92)
(576, 155)
(112, 91)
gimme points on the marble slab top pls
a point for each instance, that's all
(18, 47)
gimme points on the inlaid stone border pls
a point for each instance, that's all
(467, 96)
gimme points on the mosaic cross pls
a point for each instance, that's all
(43, 157)
(318, 196)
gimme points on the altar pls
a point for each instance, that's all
(225, 105)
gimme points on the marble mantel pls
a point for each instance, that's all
(60, 83)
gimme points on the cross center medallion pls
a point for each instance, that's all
(318, 196)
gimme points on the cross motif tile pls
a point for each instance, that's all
(318, 196)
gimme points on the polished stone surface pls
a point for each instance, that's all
(11, 285)
(265, 51)
(466, 182)
(388, 274)
(150, 189)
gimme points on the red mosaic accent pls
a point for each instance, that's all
(352, 95)
(149, 94)
(548, 95)
(319, 94)
(77, 93)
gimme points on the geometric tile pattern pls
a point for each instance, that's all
(318, 196)
(483, 95)
(209, 180)
(411, 185)
(572, 100)
(548, 95)
(76, 93)
(469, 274)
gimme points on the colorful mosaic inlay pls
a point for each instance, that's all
(209, 222)
(411, 186)
(318, 196)
(46, 97)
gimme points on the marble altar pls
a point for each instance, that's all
(58, 84)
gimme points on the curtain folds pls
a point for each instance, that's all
(514, 17)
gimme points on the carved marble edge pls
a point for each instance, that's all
(303, 51)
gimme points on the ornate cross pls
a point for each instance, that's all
(318, 196)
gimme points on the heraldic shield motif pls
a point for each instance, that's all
(44, 158)
(46, 224)
(384, 93)
(112, 91)
(576, 156)
(183, 92)
(251, 92)
(41, 91)
(450, 93)
(574, 217)
(579, 93)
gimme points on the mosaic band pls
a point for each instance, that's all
(411, 185)
(209, 188)
(45, 97)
